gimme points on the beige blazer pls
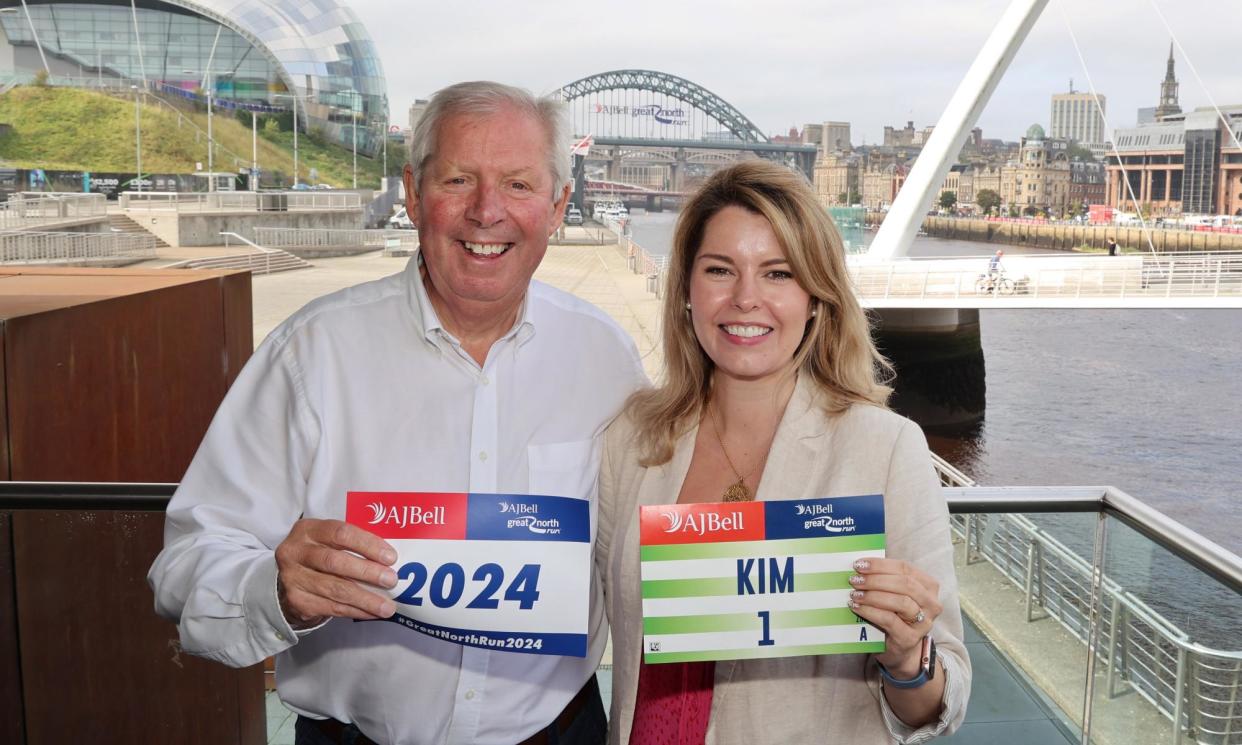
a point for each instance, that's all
(831, 698)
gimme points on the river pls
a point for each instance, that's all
(1149, 401)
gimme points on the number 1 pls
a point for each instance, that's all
(766, 641)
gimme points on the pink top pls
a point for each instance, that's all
(674, 703)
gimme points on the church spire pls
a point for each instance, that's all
(1168, 91)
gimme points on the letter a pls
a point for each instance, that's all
(862, 633)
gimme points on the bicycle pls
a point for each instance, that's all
(994, 284)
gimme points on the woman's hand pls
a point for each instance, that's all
(902, 601)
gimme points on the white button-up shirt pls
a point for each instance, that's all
(363, 390)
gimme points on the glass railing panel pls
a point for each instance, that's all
(1025, 584)
(1169, 652)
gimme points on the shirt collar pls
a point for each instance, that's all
(434, 331)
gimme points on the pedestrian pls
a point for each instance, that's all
(1112, 247)
(457, 375)
(775, 391)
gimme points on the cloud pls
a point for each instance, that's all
(786, 63)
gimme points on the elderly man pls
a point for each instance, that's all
(459, 374)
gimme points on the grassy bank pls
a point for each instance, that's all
(69, 129)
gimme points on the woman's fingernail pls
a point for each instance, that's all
(857, 579)
(851, 603)
(862, 565)
(857, 594)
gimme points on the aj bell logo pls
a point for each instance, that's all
(813, 509)
(702, 524)
(519, 508)
(403, 516)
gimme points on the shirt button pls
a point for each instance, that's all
(280, 635)
(484, 380)
(470, 695)
(482, 455)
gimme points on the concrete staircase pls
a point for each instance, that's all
(269, 261)
(122, 223)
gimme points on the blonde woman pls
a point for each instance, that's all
(773, 390)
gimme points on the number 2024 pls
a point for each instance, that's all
(448, 583)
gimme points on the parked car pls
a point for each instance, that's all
(573, 216)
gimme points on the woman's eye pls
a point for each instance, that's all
(718, 271)
(780, 275)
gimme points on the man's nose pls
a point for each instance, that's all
(485, 207)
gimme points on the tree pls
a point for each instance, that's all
(855, 198)
(988, 200)
(843, 198)
(947, 199)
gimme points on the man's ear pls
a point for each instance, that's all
(558, 212)
(411, 196)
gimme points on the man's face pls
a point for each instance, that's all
(484, 210)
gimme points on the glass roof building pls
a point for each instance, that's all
(247, 53)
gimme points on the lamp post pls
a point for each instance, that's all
(211, 145)
(137, 136)
(294, 97)
(353, 126)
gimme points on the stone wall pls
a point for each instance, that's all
(1069, 237)
(188, 229)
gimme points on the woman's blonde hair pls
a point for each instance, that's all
(836, 354)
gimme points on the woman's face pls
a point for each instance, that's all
(748, 311)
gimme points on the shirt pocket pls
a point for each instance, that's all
(564, 469)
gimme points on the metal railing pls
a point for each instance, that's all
(241, 201)
(35, 247)
(640, 261)
(1031, 278)
(336, 238)
(30, 209)
(1196, 687)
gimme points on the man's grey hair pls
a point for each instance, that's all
(483, 98)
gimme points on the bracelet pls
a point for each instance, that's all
(927, 668)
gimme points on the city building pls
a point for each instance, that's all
(961, 181)
(1168, 91)
(1075, 116)
(247, 54)
(836, 136)
(880, 187)
(1185, 163)
(1039, 180)
(837, 176)
(1088, 184)
(906, 137)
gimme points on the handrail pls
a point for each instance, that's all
(1164, 531)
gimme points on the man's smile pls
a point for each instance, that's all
(486, 249)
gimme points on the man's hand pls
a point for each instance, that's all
(319, 568)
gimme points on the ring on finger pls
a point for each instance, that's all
(918, 618)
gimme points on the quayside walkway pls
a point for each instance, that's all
(1047, 657)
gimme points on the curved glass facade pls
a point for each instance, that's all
(249, 53)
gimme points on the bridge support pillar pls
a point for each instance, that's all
(940, 368)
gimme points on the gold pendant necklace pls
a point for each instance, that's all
(738, 492)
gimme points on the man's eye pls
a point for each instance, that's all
(520, 186)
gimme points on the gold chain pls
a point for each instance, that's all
(738, 492)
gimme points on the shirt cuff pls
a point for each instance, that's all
(269, 628)
(952, 700)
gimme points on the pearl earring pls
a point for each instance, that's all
(687, 306)
(814, 312)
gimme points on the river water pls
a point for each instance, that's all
(1149, 401)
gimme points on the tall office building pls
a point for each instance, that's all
(1076, 117)
(836, 136)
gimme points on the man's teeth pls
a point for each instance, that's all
(748, 331)
(486, 249)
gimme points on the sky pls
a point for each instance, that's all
(784, 63)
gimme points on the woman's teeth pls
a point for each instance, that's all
(747, 331)
(486, 249)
